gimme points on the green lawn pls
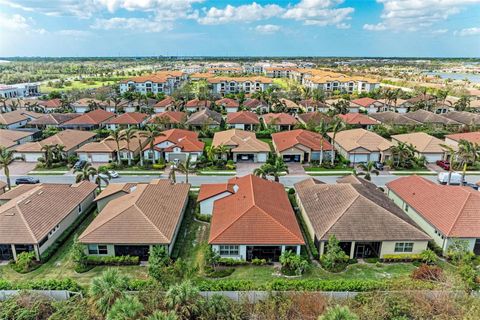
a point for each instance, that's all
(62, 168)
(207, 141)
(78, 85)
(319, 169)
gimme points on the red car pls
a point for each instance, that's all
(443, 164)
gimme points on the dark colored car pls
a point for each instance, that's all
(79, 164)
(443, 164)
(27, 180)
(379, 166)
(471, 185)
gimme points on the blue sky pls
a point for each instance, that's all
(439, 28)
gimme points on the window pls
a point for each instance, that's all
(97, 249)
(404, 247)
(229, 251)
(80, 208)
(407, 207)
(102, 249)
(51, 233)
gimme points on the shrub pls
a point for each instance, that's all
(230, 165)
(259, 262)
(26, 262)
(203, 217)
(459, 252)
(402, 257)
(158, 260)
(231, 262)
(292, 264)
(429, 273)
(219, 273)
(469, 275)
(291, 191)
(429, 256)
(158, 166)
(372, 260)
(335, 259)
(52, 284)
(338, 313)
(112, 261)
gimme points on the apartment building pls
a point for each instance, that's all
(224, 85)
(163, 81)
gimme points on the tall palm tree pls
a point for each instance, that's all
(262, 171)
(6, 158)
(48, 150)
(182, 298)
(84, 174)
(367, 170)
(151, 133)
(453, 154)
(221, 150)
(277, 168)
(59, 152)
(337, 126)
(322, 129)
(107, 288)
(128, 136)
(186, 167)
(211, 151)
(117, 136)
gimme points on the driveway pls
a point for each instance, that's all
(295, 169)
(20, 168)
(244, 168)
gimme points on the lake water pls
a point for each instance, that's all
(457, 76)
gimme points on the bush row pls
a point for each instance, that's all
(402, 257)
(53, 284)
(112, 261)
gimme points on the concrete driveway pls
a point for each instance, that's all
(20, 168)
(295, 169)
(244, 168)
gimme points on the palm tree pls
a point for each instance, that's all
(102, 176)
(182, 298)
(453, 153)
(338, 313)
(221, 150)
(127, 307)
(322, 129)
(107, 288)
(59, 151)
(151, 134)
(84, 174)
(128, 136)
(172, 174)
(337, 126)
(211, 151)
(262, 171)
(186, 167)
(277, 168)
(161, 315)
(116, 101)
(6, 158)
(48, 150)
(117, 136)
(367, 170)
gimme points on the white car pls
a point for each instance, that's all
(113, 174)
(455, 179)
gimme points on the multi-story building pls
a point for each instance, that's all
(19, 90)
(224, 85)
(164, 81)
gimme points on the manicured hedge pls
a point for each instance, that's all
(231, 262)
(112, 261)
(402, 257)
(53, 284)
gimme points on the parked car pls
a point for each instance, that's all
(443, 164)
(79, 164)
(471, 185)
(109, 175)
(27, 180)
(113, 174)
(378, 165)
(455, 179)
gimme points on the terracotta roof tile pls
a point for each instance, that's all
(473, 137)
(242, 117)
(168, 101)
(357, 119)
(289, 139)
(205, 117)
(364, 102)
(227, 102)
(360, 138)
(184, 139)
(54, 119)
(128, 118)
(240, 141)
(67, 138)
(424, 116)
(423, 143)
(94, 117)
(211, 190)
(279, 119)
(171, 117)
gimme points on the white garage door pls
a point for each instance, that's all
(262, 157)
(100, 157)
(357, 158)
(433, 157)
(83, 156)
(32, 157)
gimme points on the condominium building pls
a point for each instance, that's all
(223, 85)
(19, 90)
(164, 81)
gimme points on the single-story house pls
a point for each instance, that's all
(196, 105)
(113, 191)
(52, 120)
(12, 138)
(211, 192)
(291, 106)
(390, 118)
(243, 146)
(279, 121)
(34, 219)
(369, 105)
(175, 144)
(116, 106)
(205, 118)
(230, 105)
(256, 221)
(86, 104)
(424, 144)
(352, 108)
(51, 105)
(17, 118)
(427, 117)
(301, 146)
(131, 224)
(364, 220)
(313, 119)
(15, 192)
(444, 212)
(244, 120)
(127, 120)
(310, 105)
(70, 139)
(89, 121)
(256, 106)
(466, 118)
(164, 105)
(106, 150)
(454, 139)
(358, 120)
(169, 119)
(360, 146)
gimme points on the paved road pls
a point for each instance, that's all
(288, 180)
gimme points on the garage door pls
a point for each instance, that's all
(433, 157)
(357, 158)
(245, 157)
(83, 156)
(262, 157)
(177, 157)
(100, 157)
(291, 158)
(32, 157)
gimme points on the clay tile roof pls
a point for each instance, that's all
(243, 117)
(289, 139)
(279, 119)
(128, 118)
(108, 145)
(467, 118)
(18, 190)
(94, 117)
(67, 138)
(114, 188)
(355, 211)
(51, 104)
(172, 117)
(289, 103)
(364, 102)
(424, 116)
(9, 138)
(357, 118)
(393, 118)
(454, 210)
(158, 77)
(14, 117)
(148, 215)
(473, 137)
(360, 138)
(184, 139)
(168, 101)
(205, 116)
(258, 213)
(312, 103)
(198, 103)
(421, 97)
(227, 102)
(213, 189)
(240, 141)
(29, 217)
(54, 119)
(253, 103)
(88, 101)
(314, 118)
(423, 143)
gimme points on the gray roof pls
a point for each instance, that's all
(204, 117)
(393, 118)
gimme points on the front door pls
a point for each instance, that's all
(6, 252)
(360, 251)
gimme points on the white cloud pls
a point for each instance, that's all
(320, 13)
(135, 24)
(18, 23)
(267, 28)
(74, 33)
(440, 31)
(468, 32)
(413, 15)
(243, 13)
